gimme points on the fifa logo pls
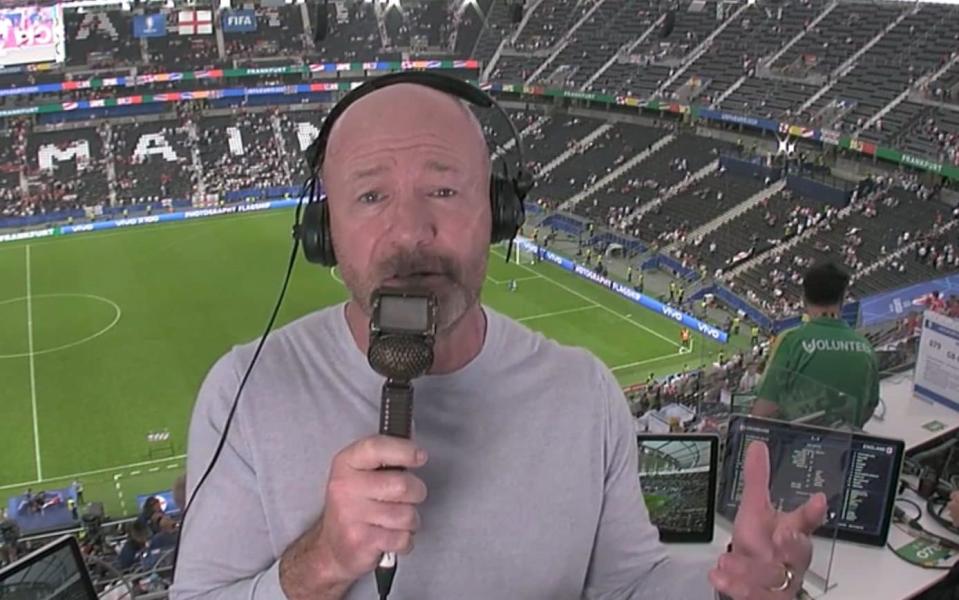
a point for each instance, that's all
(239, 21)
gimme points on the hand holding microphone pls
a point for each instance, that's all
(367, 512)
(370, 511)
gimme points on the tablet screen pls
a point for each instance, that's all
(677, 473)
(858, 473)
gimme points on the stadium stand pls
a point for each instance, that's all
(70, 164)
(684, 499)
(842, 65)
(298, 130)
(241, 152)
(541, 29)
(11, 159)
(931, 256)
(554, 136)
(198, 51)
(594, 159)
(497, 25)
(101, 39)
(153, 161)
(279, 32)
(649, 179)
(466, 25)
(857, 236)
(752, 233)
(673, 220)
(427, 23)
(352, 33)
(609, 28)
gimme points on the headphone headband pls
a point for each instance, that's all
(507, 192)
(437, 81)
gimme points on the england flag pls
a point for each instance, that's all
(193, 22)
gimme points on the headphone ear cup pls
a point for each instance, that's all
(316, 239)
(507, 209)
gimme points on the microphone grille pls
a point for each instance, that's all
(400, 357)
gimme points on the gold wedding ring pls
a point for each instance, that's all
(786, 583)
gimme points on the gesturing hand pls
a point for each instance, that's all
(771, 550)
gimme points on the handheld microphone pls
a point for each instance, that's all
(402, 332)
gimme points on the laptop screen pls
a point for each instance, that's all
(55, 572)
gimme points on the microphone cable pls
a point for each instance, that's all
(309, 184)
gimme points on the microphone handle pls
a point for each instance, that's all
(396, 409)
(396, 419)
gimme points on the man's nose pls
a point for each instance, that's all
(412, 221)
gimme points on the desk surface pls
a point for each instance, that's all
(860, 571)
(905, 415)
(857, 571)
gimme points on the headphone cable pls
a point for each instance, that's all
(311, 184)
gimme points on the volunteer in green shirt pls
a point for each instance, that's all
(822, 365)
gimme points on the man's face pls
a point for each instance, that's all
(407, 177)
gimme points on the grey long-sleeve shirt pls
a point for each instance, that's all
(532, 477)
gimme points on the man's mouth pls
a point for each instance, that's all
(418, 276)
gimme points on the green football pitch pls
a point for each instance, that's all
(105, 338)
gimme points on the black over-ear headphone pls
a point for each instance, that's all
(507, 191)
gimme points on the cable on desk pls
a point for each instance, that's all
(901, 515)
(934, 506)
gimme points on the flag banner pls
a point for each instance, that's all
(238, 21)
(149, 26)
(193, 22)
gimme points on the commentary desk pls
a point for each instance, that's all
(858, 571)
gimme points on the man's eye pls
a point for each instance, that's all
(370, 197)
(445, 193)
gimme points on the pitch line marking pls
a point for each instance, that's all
(681, 352)
(602, 306)
(33, 368)
(556, 313)
(149, 227)
(516, 279)
(116, 319)
(643, 362)
(96, 472)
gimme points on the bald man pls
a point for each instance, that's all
(522, 475)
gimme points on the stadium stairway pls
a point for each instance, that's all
(277, 127)
(850, 63)
(487, 45)
(530, 11)
(110, 165)
(728, 92)
(625, 50)
(768, 62)
(563, 42)
(602, 183)
(734, 212)
(566, 154)
(379, 9)
(195, 156)
(699, 50)
(901, 251)
(508, 145)
(455, 25)
(783, 246)
(221, 43)
(706, 171)
(495, 59)
(908, 92)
